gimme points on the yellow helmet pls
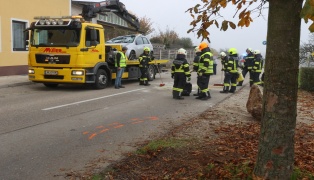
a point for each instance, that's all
(203, 45)
(233, 51)
(146, 49)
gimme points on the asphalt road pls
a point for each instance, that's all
(46, 133)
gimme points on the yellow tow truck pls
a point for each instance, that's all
(71, 50)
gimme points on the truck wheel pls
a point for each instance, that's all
(51, 85)
(132, 55)
(151, 73)
(101, 80)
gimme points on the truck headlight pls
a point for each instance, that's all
(77, 73)
(31, 71)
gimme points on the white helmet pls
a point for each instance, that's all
(249, 49)
(223, 54)
(197, 49)
(182, 51)
(257, 52)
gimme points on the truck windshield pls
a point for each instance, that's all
(55, 37)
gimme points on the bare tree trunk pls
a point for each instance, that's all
(276, 144)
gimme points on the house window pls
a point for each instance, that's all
(18, 36)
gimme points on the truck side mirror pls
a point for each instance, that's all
(26, 37)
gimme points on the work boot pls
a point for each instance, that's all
(141, 82)
(179, 97)
(206, 96)
(225, 89)
(146, 83)
(174, 94)
(232, 89)
(240, 83)
(198, 93)
(200, 96)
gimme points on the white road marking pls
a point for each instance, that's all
(88, 100)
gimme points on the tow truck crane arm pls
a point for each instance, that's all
(115, 6)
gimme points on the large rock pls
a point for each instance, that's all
(254, 102)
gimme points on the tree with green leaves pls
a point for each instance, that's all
(275, 159)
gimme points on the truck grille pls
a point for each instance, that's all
(52, 59)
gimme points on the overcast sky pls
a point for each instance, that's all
(171, 14)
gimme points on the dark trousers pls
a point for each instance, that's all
(215, 69)
(255, 78)
(202, 82)
(233, 80)
(244, 72)
(144, 74)
(178, 83)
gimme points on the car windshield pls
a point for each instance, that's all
(122, 39)
(55, 37)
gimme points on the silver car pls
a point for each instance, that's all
(135, 44)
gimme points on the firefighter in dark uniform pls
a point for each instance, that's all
(248, 65)
(205, 69)
(144, 60)
(232, 68)
(227, 79)
(257, 67)
(180, 72)
(195, 65)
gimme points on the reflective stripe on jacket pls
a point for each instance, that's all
(233, 64)
(180, 65)
(258, 63)
(121, 61)
(144, 60)
(206, 63)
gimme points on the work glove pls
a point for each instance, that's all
(222, 69)
(200, 74)
(188, 79)
(153, 58)
(172, 75)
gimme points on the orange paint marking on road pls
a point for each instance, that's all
(92, 136)
(135, 119)
(104, 130)
(86, 132)
(100, 127)
(115, 123)
(119, 126)
(153, 118)
(136, 122)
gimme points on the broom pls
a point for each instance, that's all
(162, 83)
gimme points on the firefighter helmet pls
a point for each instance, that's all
(233, 51)
(197, 49)
(256, 52)
(146, 49)
(203, 45)
(182, 51)
(249, 49)
(223, 54)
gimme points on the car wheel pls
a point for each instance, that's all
(151, 72)
(51, 85)
(101, 80)
(132, 55)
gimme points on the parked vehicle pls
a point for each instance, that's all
(70, 50)
(135, 44)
